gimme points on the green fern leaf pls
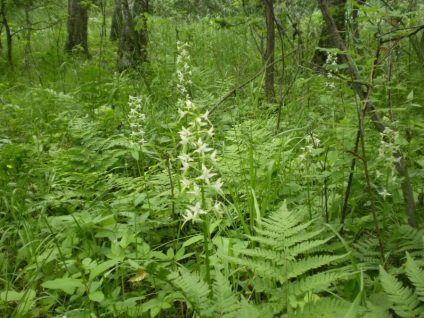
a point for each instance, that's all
(404, 301)
(194, 289)
(261, 267)
(287, 260)
(408, 239)
(416, 276)
(225, 302)
(307, 246)
(249, 311)
(378, 305)
(315, 283)
(302, 266)
(324, 307)
(263, 254)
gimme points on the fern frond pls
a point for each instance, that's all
(408, 239)
(315, 283)
(290, 226)
(263, 254)
(325, 307)
(287, 261)
(225, 302)
(375, 311)
(261, 267)
(416, 276)
(368, 252)
(377, 306)
(194, 289)
(266, 238)
(404, 301)
(302, 266)
(249, 311)
(308, 246)
(303, 235)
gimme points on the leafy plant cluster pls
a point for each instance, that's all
(122, 199)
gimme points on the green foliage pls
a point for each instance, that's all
(92, 223)
(289, 257)
(405, 301)
(217, 300)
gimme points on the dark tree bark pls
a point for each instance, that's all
(8, 33)
(268, 58)
(418, 45)
(132, 49)
(326, 39)
(116, 27)
(28, 40)
(1, 43)
(355, 24)
(401, 166)
(77, 27)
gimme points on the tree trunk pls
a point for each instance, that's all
(28, 41)
(355, 24)
(401, 166)
(8, 33)
(1, 43)
(77, 27)
(326, 40)
(418, 45)
(132, 51)
(268, 58)
(116, 27)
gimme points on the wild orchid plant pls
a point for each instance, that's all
(200, 185)
(387, 160)
(305, 161)
(331, 62)
(136, 119)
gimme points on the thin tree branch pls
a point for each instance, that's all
(234, 90)
(369, 107)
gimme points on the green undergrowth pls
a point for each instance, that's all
(95, 223)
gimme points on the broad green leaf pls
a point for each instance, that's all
(95, 285)
(11, 295)
(102, 268)
(213, 226)
(25, 299)
(97, 296)
(140, 198)
(68, 285)
(135, 154)
(193, 240)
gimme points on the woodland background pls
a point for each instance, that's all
(217, 158)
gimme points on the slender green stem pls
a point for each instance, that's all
(206, 248)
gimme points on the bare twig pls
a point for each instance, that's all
(369, 107)
(234, 90)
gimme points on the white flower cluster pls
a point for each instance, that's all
(136, 119)
(183, 68)
(311, 141)
(331, 60)
(199, 182)
(387, 158)
(197, 158)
